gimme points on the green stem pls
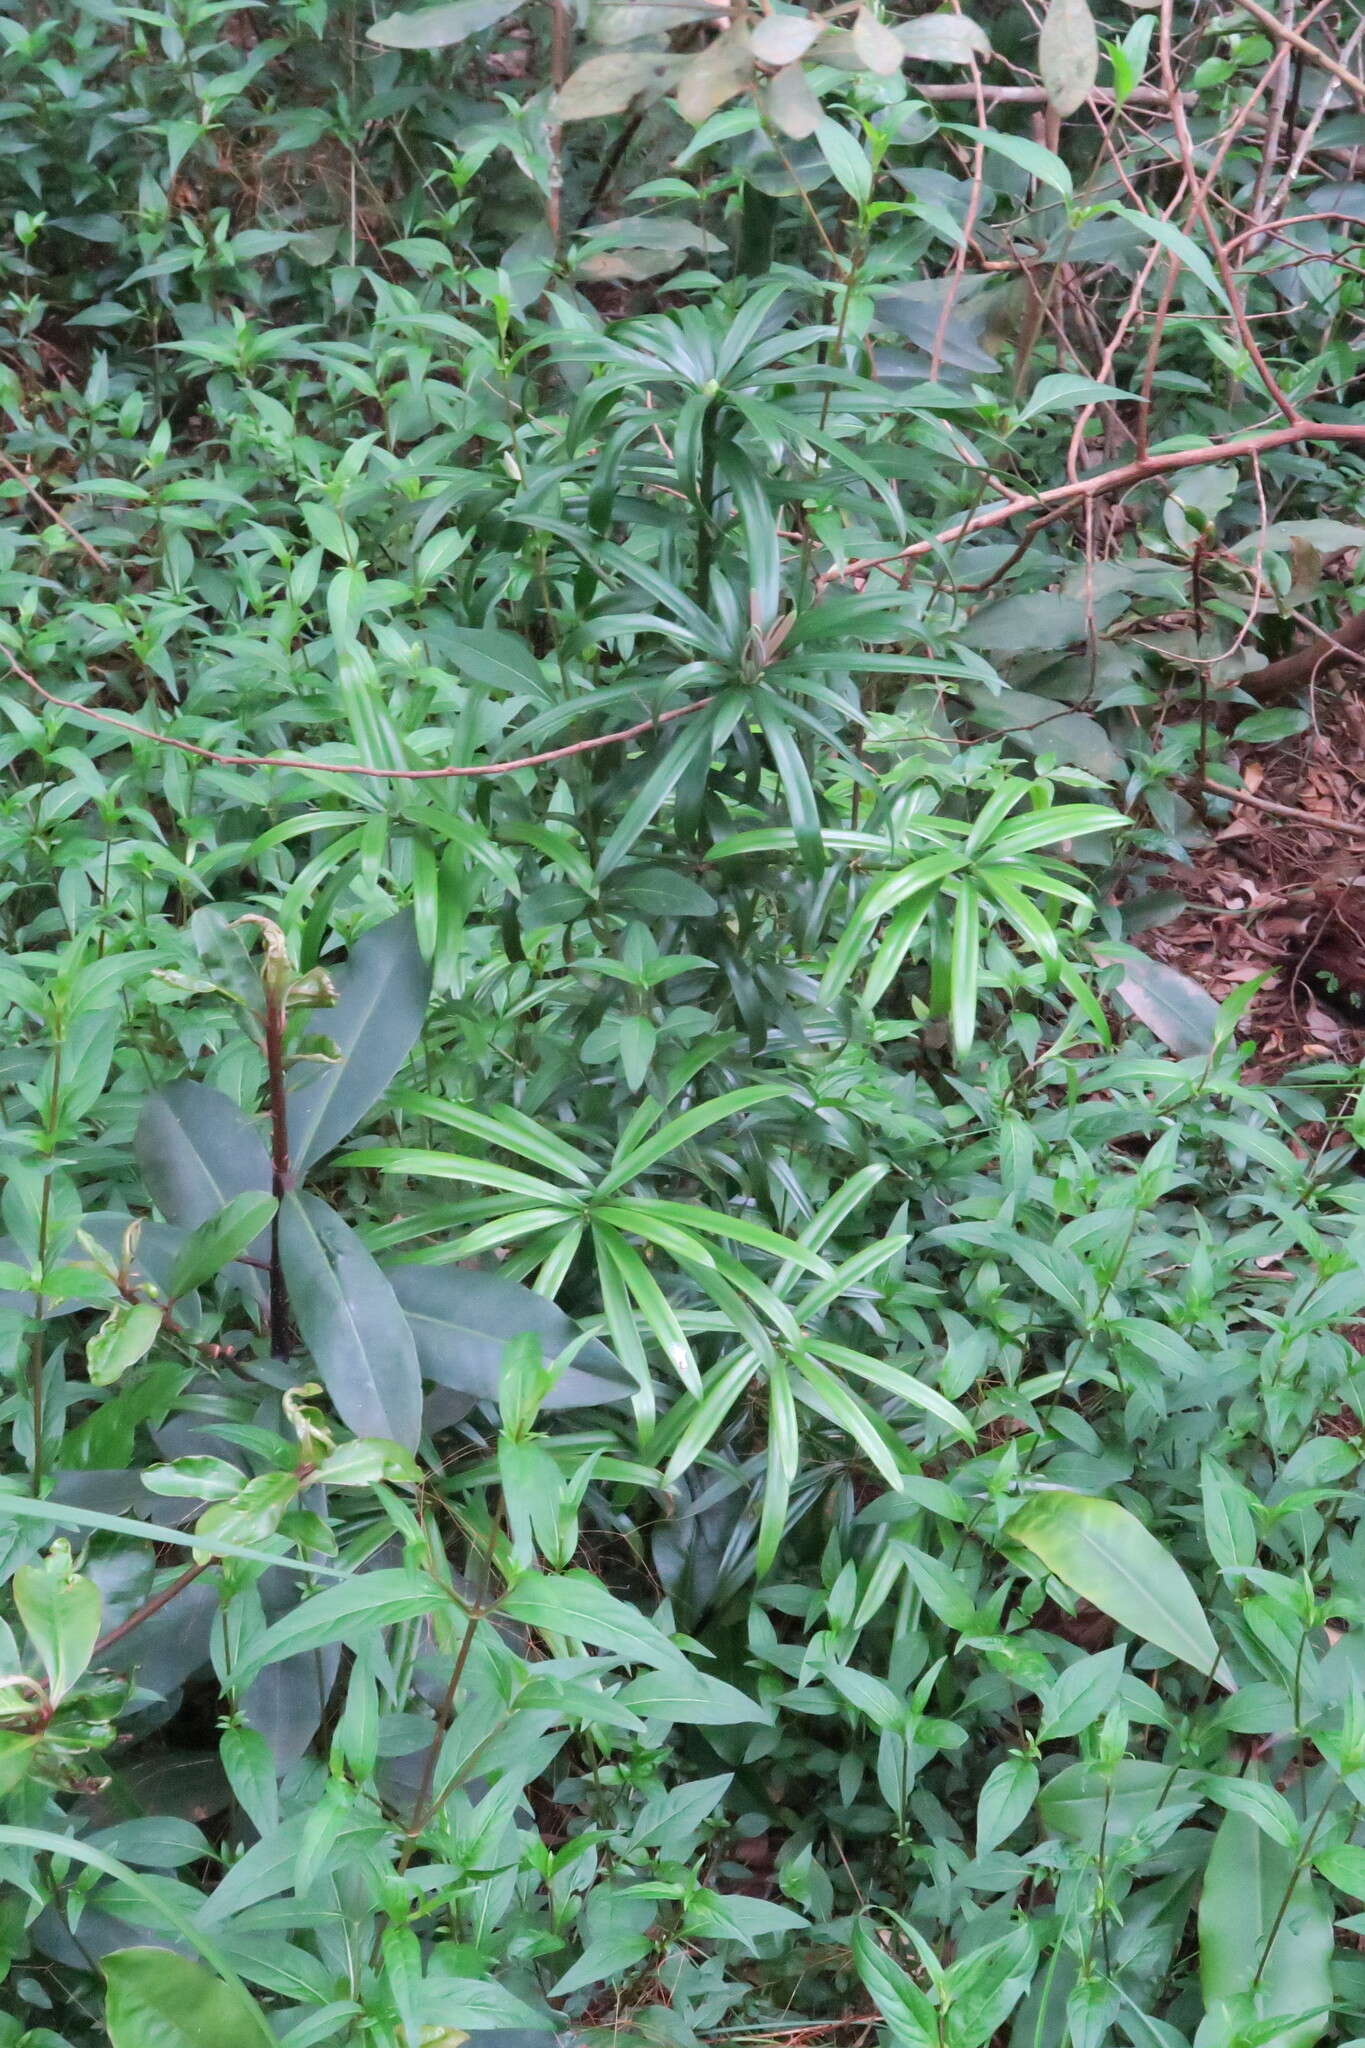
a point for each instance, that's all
(706, 494)
(38, 1348)
(279, 1171)
(1300, 1864)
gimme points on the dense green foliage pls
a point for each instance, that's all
(635, 1406)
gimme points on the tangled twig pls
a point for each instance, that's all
(163, 739)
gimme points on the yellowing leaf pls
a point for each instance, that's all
(783, 38)
(629, 21)
(437, 28)
(614, 81)
(724, 68)
(1068, 54)
(879, 47)
(943, 39)
(792, 104)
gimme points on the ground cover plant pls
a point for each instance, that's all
(658, 1388)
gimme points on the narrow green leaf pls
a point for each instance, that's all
(576, 1605)
(505, 1128)
(964, 967)
(1187, 253)
(365, 1600)
(412, 1160)
(1103, 1553)
(65, 1515)
(636, 1160)
(674, 756)
(784, 1458)
(1030, 156)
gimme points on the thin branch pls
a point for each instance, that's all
(1284, 34)
(1351, 827)
(150, 1607)
(87, 547)
(161, 739)
(1270, 147)
(1200, 190)
(1325, 650)
(1231, 288)
(1049, 504)
(959, 264)
(1036, 95)
(1308, 139)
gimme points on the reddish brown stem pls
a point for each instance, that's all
(44, 505)
(149, 1608)
(1047, 505)
(162, 739)
(1283, 33)
(1185, 143)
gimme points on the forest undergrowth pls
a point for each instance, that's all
(684, 1253)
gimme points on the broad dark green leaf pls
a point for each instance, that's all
(1084, 1803)
(198, 1152)
(676, 1692)
(349, 1318)
(497, 659)
(461, 1321)
(1041, 726)
(381, 1002)
(650, 891)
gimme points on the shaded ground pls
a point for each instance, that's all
(1285, 897)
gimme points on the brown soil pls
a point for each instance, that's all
(1284, 897)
